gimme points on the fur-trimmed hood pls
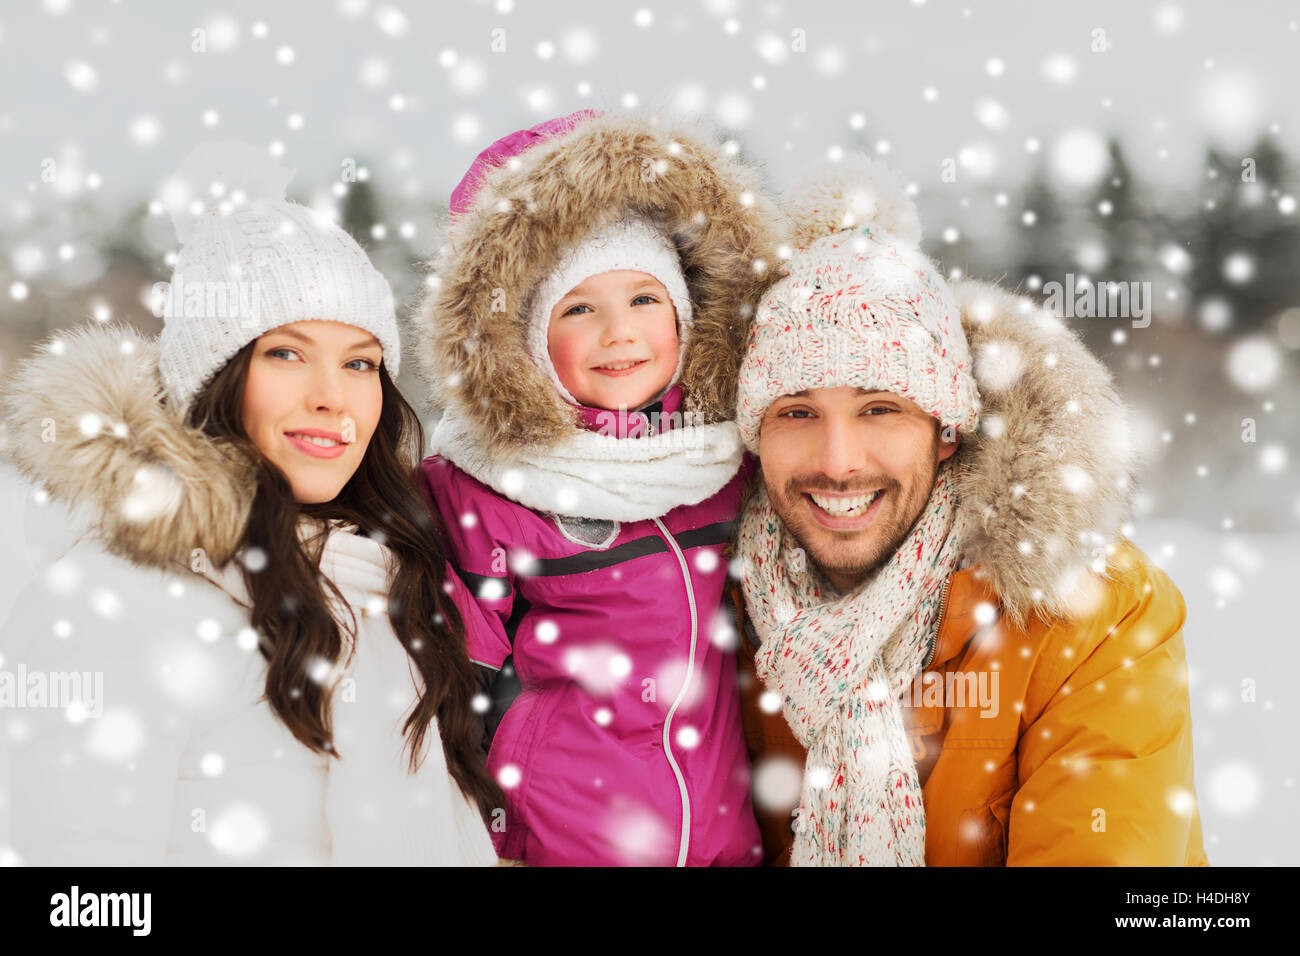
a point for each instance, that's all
(85, 419)
(471, 328)
(1048, 477)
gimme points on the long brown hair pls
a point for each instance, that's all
(290, 612)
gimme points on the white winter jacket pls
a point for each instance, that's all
(131, 688)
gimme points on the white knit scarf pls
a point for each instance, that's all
(590, 475)
(840, 666)
(378, 812)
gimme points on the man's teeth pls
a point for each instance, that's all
(844, 507)
(323, 442)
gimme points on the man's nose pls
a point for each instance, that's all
(840, 455)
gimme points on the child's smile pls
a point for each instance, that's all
(613, 339)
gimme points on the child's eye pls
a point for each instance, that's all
(369, 366)
(646, 296)
(573, 309)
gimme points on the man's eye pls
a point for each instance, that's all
(883, 409)
(793, 411)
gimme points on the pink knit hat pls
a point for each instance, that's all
(500, 152)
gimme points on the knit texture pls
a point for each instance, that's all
(633, 243)
(503, 151)
(252, 262)
(839, 665)
(859, 305)
(600, 476)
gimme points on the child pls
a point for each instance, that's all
(586, 326)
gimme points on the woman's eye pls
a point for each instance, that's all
(573, 310)
(647, 297)
(283, 349)
(367, 365)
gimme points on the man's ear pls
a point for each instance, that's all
(949, 441)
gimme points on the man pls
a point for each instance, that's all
(947, 659)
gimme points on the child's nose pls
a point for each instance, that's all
(620, 327)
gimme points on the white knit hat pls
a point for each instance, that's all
(250, 261)
(859, 305)
(632, 243)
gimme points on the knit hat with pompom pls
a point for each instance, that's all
(859, 304)
(250, 261)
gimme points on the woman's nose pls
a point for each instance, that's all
(325, 391)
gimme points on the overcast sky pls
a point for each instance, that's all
(416, 89)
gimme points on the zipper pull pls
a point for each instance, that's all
(938, 624)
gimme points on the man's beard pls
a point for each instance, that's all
(849, 558)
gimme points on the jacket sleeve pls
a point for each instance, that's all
(476, 529)
(480, 629)
(1106, 760)
(768, 740)
(90, 787)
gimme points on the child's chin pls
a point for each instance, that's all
(616, 397)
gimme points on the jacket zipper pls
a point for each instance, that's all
(681, 695)
(938, 624)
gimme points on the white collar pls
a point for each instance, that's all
(360, 567)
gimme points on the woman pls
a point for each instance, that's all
(255, 652)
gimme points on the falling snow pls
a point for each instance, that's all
(1212, 382)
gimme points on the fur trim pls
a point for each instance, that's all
(472, 326)
(1049, 475)
(856, 191)
(86, 420)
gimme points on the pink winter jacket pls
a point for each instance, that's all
(624, 745)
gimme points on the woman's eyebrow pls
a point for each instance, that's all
(294, 334)
(304, 337)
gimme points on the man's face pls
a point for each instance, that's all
(848, 471)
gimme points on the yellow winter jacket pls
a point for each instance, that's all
(1079, 752)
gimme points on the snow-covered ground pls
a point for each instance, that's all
(1238, 640)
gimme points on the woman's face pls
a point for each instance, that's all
(312, 401)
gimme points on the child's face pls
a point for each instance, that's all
(613, 339)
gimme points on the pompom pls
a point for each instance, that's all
(856, 192)
(221, 171)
